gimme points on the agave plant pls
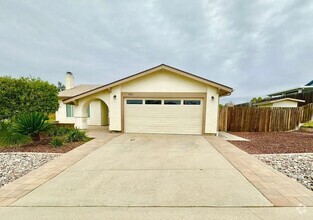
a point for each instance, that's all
(31, 124)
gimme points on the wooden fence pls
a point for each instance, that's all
(254, 119)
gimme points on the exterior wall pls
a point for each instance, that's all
(115, 109)
(266, 105)
(285, 104)
(105, 114)
(97, 113)
(60, 115)
(212, 111)
(282, 104)
(163, 81)
(81, 115)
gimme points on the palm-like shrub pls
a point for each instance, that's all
(31, 124)
(9, 137)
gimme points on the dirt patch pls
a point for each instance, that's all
(42, 147)
(275, 142)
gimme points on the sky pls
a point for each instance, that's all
(256, 47)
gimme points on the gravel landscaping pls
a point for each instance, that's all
(275, 142)
(288, 152)
(296, 166)
(16, 165)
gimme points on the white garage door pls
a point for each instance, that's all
(164, 116)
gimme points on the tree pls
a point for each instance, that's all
(256, 100)
(61, 86)
(220, 106)
(28, 94)
(229, 104)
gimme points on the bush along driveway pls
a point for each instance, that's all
(22, 154)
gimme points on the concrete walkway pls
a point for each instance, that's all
(230, 137)
(150, 177)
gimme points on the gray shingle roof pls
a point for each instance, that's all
(77, 90)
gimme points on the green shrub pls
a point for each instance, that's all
(308, 124)
(76, 135)
(26, 95)
(57, 131)
(8, 137)
(56, 142)
(31, 124)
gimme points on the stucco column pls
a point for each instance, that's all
(81, 122)
(212, 111)
(80, 113)
(115, 113)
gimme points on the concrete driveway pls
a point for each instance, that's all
(149, 171)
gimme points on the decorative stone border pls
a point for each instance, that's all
(279, 189)
(17, 189)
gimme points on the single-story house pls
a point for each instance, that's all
(162, 99)
(283, 103)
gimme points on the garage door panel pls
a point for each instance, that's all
(170, 119)
(165, 130)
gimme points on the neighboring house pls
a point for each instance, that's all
(297, 97)
(302, 92)
(162, 99)
(284, 102)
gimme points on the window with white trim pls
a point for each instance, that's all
(69, 111)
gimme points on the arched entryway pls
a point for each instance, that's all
(97, 113)
(91, 112)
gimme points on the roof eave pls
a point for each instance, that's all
(221, 87)
(290, 90)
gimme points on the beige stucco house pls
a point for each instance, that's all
(282, 103)
(162, 100)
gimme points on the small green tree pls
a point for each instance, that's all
(61, 86)
(28, 94)
(220, 106)
(256, 100)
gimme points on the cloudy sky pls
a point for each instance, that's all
(256, 47)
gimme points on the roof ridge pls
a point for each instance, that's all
(226, 89)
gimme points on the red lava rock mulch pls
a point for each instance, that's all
(42, 147)
(275, 142)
